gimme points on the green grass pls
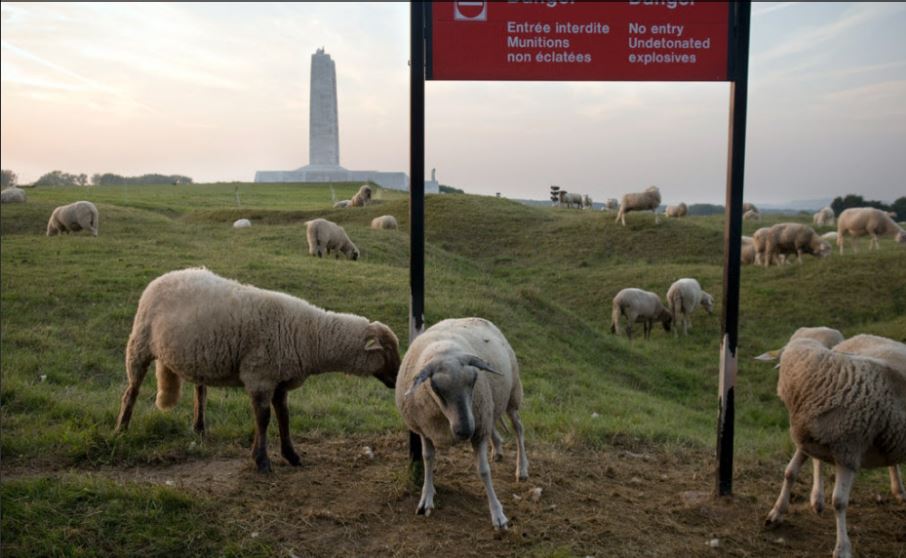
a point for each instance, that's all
(545, 276)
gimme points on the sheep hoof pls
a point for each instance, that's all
(817, 507)
(773, 519)
(293, 459)
(264, 466)
(521, 476)
(425, 511)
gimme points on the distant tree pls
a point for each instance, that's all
(57, 178)
(705, 209)
(899, 205)
(854, 200)
(82, 179)
(109, 178)
(9, 178)
(96, 179)
(444, 189)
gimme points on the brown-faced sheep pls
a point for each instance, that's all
(362, 197)
(213, 331)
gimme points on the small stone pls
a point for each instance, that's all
(595, 415)
(367, 452)
(635, 480)
(43, 377)
(535, 494)
(714, 543)
(169, 483)
(780, 540)
(664, 477)
(254, 534)
(517, 497)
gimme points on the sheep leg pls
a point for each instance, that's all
(426, 504)
(201, 393)
(799, 256)
(874, 242)
(842, 487)
(136, 368)
(896, 483)
(521, 458)
(775, 516)
(497, 442)
(480, 448)
(262, 409)
(281, 410)
(817, 497)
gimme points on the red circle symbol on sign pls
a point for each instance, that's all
(470, 10)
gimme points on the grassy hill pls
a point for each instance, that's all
(545, 276)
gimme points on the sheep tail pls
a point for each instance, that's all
(675, 303)
(168, 385)
(615, 319)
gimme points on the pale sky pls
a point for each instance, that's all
(218, 91)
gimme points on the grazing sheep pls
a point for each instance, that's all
(638, 306)
(213, 331)
(12, 195)
(650, 199)
(752, 215)
(242, 224)
(747, 251)
(77, 216)
(362, 197)
(456, 381)
(790, 238)
(677, 210)
(859, 221)
(824, 217)
(570, 198)
(847, 406)
(384, 222)
(748, 206)
(587, 202)
(683, 298)
(342, 203)
(612, 204)
(324, 236)
(759, 243)
(830, 237)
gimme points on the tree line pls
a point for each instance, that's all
(60, 178)
(852, 200)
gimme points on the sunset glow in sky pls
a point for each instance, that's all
(218, 91)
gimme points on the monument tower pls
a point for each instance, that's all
(323, 128)
(324, 139)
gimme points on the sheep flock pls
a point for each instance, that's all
(459, 379)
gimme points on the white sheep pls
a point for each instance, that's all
(748, 206)
(587, 202)
(342, 203)
(384, 222)
(847, 406)
(12, 195)
(680, 210)
(752, 215)
(683, 297)
(649, 200)
(456, 381)
(788, 239)
(242, 224)
(362, 197)
(830, 237)
(77, 216)
(324, 236)
(747, 250)
(570, 198)
(213, 331)
(824, 217)
(612, 204)
(859, 221)
(638, 306)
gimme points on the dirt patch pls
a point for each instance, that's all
(614, 502)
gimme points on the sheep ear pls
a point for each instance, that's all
(425, 373)
(472, 360)
(769, 356)
(372, 344)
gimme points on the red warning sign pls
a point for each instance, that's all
(638, 40)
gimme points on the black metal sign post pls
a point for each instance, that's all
(740, 17)
(416, 187)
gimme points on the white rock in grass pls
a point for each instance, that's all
(242, 224)
(535, 494)
(367, 452)
(714, 543)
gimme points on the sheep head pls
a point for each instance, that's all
(708, 303)
(451, 381)
(382, 350)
